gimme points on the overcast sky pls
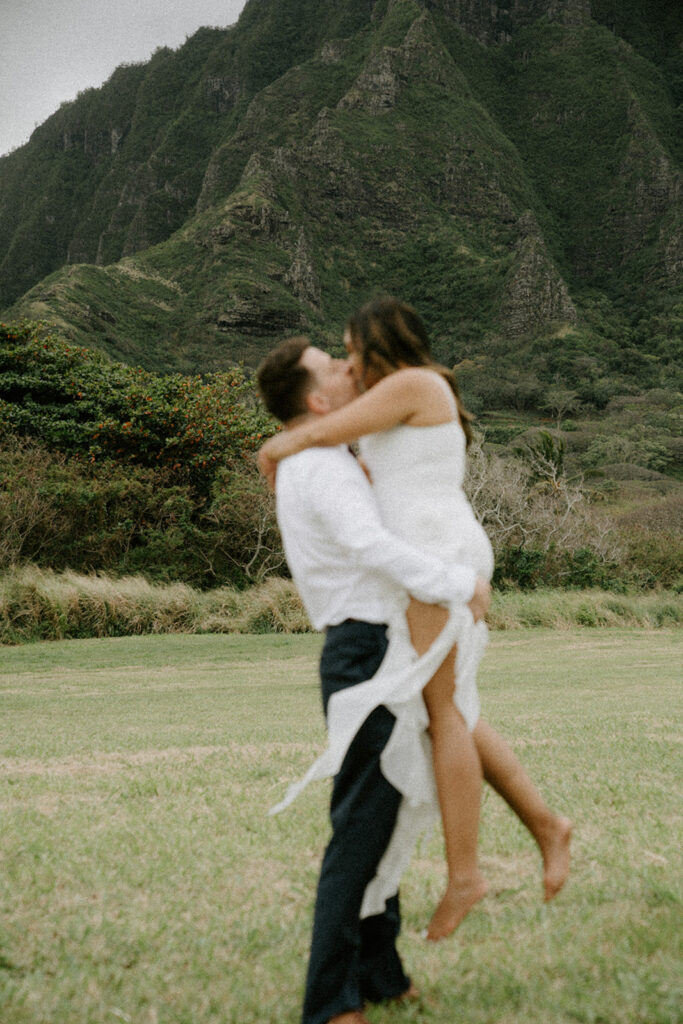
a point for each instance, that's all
(52, 49)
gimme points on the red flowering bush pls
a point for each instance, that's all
(109, 467)
(77, 401)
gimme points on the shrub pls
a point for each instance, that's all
(639, 445)
(66, 514)
(543, 529)
(241, 523)
(76, 401)
(520, 566)
(499, 434)
(108, 467)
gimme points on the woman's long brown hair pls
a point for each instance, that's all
(389, 334)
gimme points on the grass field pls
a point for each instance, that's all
(142, 881)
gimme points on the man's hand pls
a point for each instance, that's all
(481, 599)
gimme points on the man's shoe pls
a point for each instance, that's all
(411, 995)
(351, 1017)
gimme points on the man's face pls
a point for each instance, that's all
(333, 378)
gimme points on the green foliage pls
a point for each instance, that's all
(122, 470)
(499, 433)
(655, 557)
(76, 401)
(639, 446)
(642, 430)
(528, 568)
(519, 566)
(274, 37)
(66, 514)
(583, 569)
(654, 30)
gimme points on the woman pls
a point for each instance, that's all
(413, 434)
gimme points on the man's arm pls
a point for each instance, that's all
(481, 599)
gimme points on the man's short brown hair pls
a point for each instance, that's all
(283, 382)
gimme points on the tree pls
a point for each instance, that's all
(544, 455)
(560, 401)
(530, 509)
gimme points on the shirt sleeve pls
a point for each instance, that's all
(344, 503)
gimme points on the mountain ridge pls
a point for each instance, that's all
(513, 170)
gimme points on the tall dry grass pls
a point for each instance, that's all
(38, 604)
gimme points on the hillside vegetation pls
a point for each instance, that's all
(513, 172)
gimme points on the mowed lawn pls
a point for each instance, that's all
(142, 880)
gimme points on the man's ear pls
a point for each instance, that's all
(317, 403)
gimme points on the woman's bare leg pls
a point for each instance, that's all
(458, 775)
(503, 771)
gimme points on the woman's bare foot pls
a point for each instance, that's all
(457, 902)
(556, 857)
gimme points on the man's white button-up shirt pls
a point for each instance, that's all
(343, 561)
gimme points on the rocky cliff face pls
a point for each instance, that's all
(650, 184)
(534, 295)
(491, 22)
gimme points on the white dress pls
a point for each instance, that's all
(417, 475)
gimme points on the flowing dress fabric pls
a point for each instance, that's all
(417, 475)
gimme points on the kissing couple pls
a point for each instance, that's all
(393, 565)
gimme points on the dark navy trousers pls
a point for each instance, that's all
(352, 960)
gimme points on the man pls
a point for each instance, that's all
(349, 572)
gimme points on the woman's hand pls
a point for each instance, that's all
(268, 459)
(281, 446)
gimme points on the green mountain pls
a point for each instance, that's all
(513, 169)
